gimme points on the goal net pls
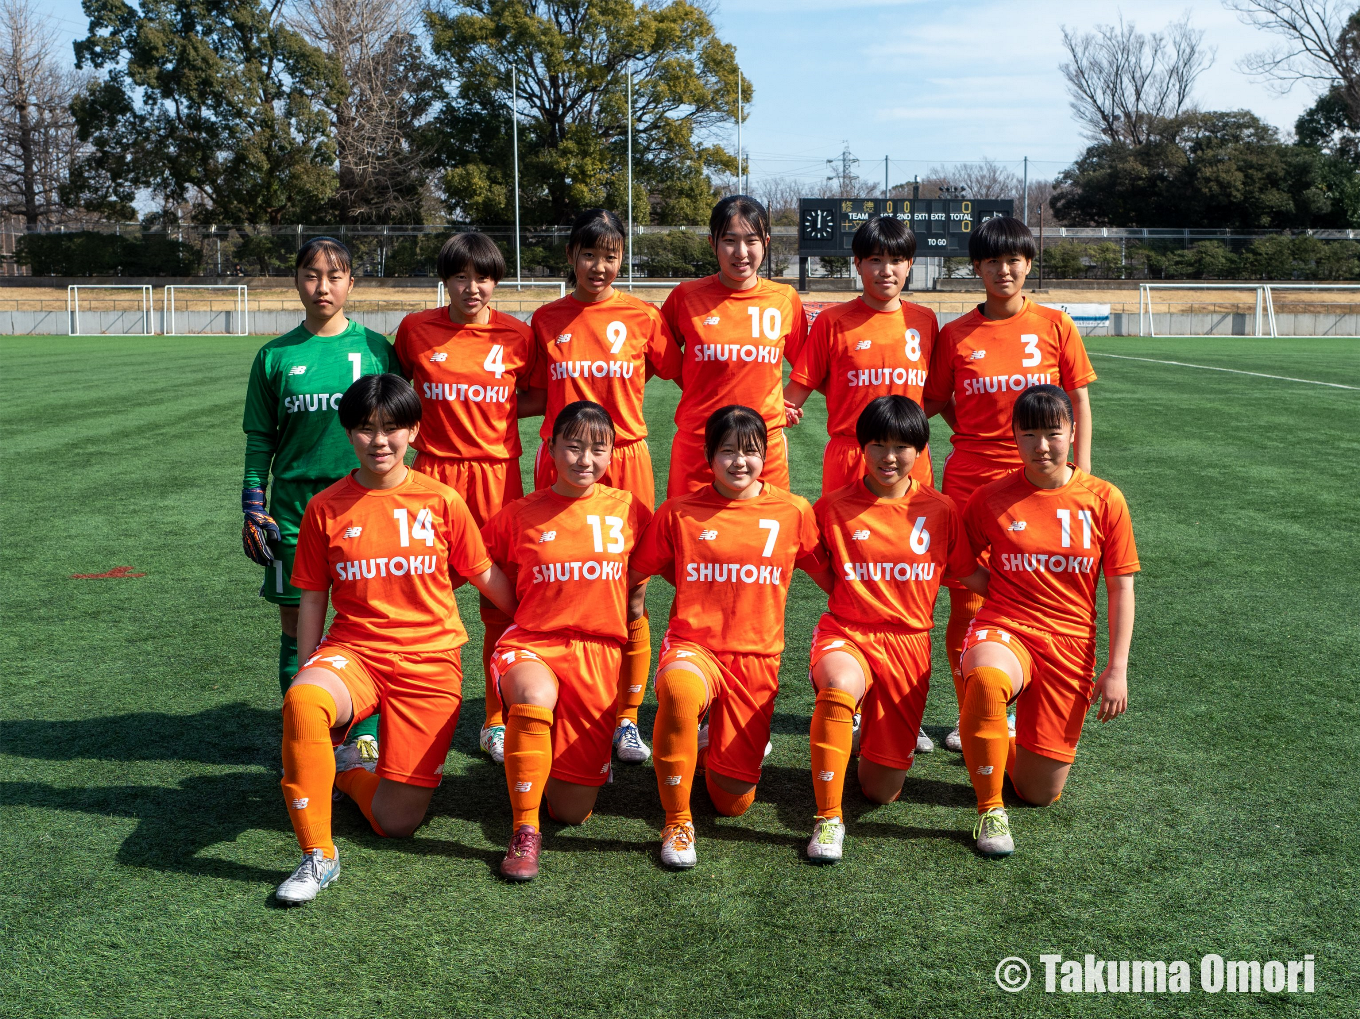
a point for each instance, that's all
(206, 309)
(1249, 309)
(126, 309)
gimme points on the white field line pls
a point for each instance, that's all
(1211, 368)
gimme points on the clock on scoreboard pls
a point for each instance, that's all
(826, 226)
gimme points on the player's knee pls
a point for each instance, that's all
(396, 822)
(679, 691)
(306, 705)
(728, 804)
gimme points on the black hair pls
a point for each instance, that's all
(884, 235)
(386, 397)
(595, 228)
(743, 424)
(1001, 236)
(335, 254)
(1042, 407)
(893, 418)
(584, 420)
(472, 249)
(738, 207)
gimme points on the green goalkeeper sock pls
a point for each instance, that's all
(364, 727)
(288, 663)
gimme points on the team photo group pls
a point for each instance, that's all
(1017, 529)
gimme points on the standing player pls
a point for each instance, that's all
(379, 545)
(981, 364)
(601, 345)
(890, 540)
(866, 348)
(1051, 530)
(730, 548)
(567, 548)
(734, 329)
(294, 442)
(471, 365)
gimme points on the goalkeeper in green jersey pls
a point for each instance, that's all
(294, 441)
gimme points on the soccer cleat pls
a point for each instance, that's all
(769, 749)
(492, 742)
(854, 736)
(521, 859)
(993, 833)
(924, 744)
(828, 835)
(1010, 725)
(351, 755)
(628, 745)
(314, 873)
(954, 741)
(677, 846)
(368, 749)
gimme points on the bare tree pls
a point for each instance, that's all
(979, 180)
(1123, 82)
(1320, 43)
(37, 133)
(780, 196)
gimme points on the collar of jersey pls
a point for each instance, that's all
(406, 483)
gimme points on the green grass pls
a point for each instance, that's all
(142, 829)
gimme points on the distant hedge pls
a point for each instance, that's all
(90, 253)
(1273, 258)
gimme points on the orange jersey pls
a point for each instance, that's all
(731, 561)
(604, 353)
(466, 377)
(734, 342)
(385, 556)
(1048, 548)
(888, 556)
(568, 559)
(855, 354)
(986, 365)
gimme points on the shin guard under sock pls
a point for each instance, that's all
(288, 662)
(831, 734)
(982, 728)
(528, 760)
(309, 764)
(680, 697)
(637, 663)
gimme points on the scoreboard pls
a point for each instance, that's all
(942, 225)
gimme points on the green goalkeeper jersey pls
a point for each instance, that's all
(291, 422)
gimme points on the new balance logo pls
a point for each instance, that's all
(547, 536)
(337, 661)
(635, 689)
(707, 535)
(860, 535)
(977, 355)
(672, 779)
(864, 345)
(440, 355)
(684, 654)
(825, 776)
(1016, 525)
(712, 320)
(984, 769)
(523, 787)
(352, 532)
(297, 369)
(604, 769)
(300, 803)
(563, 338)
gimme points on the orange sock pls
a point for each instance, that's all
(833, 722)
(494, 713)
(680, 696)
(309, 714)
(637, 662)
(528, 760)
(963, 606)
(982, 728)
(725, 803)
(360, 785)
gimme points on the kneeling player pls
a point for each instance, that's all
(1051, 529)
(730, 548)
(380, 543)
(890, 540)
(567, 546)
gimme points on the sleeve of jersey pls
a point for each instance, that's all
(1074, 366)
(663, 353)
(654, 553)
(812, 555)
(467, 552)
(533, 357)
(940, 374)
(961, 561)
(260, 423)
(642, 516)
(798, 331)
(810, 367)
(1119, 555)
(401, 348)
(670, 314)
(311, 567)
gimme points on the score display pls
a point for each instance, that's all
(826, 226)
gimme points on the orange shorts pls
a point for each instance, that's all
(843, 462)
(690, 471)
(630, 469)
(1059, 674)
(418, 693)
(741, 692)
(485, 485)
(587, 674)
(964, 474)
(896, 664)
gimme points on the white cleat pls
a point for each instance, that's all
(368, 750)
(314, 873)
(492, 742)
(350, 755)
(854, 736)
(628, 745)
(924, 744)
(769, 749)
(677, 846)
(1010, 725)
(954, 741)
(993, 833)
(828, 835)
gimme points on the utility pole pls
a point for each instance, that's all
(738, 128)
(1025, 204)
(514, 149)
(630, 178)
(885, 177)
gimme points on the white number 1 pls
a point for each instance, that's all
(423, 529)
(615, 525)
(357, 363)
(1065, 521)
(773, 527)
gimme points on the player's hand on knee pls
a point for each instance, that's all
(259, 529)
(1113, 689)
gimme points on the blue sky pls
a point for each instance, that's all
(930, 82)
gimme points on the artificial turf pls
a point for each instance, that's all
(142, 829)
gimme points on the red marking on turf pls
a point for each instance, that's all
(117, 573)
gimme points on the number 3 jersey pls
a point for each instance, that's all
(731, 561)
(568, 559)
(385, 555)
(888, 556)
(1048, 548)
(985, 365)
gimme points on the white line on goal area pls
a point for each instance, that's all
(1212, 368)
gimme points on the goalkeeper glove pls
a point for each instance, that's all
(259, 529)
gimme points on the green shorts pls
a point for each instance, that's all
(287, 502)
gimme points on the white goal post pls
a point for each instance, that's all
(240, 322)
(561, 287)
(1339, 317)
(148, 309)
(1147, 325)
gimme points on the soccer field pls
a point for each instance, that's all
(142, 828)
